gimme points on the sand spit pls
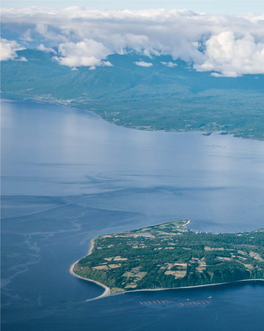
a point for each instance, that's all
(106, 289)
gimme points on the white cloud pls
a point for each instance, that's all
(21, 59)
(87, 53)
(143, 64)
(102, 63)
(169, 64)
(231, 57)
(226, 45)
(44, 49)
(107, 64)
(8, 49)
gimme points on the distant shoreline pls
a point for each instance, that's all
(107, 290)
(14, 97)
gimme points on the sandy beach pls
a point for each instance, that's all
(106, 289)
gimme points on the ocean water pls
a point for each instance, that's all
(68, 176)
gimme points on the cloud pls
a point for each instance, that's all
(8, 49)
(87, 53)
(231, 57)
(26, 36)
(225, 45)
(169, 64)
(44, 49)
(107, 64)
(143, 64)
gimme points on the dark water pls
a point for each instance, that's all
(68, 176)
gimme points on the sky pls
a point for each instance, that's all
(209, 6)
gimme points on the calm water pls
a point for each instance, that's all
(68, 176)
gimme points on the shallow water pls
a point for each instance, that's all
(68, 176)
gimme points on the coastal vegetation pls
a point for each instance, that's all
(170, 255)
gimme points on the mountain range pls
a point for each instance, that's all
(165, 95)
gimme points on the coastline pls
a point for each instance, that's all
(198, 286)
(64, 103)
(186, 224)
(107, 290)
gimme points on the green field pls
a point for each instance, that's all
(169, 256)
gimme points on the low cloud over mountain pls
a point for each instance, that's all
(224, 45)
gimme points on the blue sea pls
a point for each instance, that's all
(68, 176)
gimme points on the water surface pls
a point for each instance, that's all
(68, 176)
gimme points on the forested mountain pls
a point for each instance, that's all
(161, 96)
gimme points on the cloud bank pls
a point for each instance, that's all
(225, 45)
(232, 57)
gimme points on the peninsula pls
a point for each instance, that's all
(170, 255)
